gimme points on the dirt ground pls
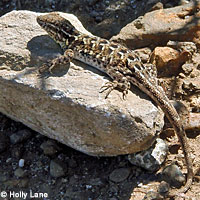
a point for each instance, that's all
(54, 171)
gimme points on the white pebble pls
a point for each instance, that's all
(21, 163)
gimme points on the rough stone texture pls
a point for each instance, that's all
(180, 23)
(194, 121)
(173, 175)
(167, 60)
(67, 105)
(152, 158)
(119, 175)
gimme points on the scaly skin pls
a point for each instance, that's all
(122, 65)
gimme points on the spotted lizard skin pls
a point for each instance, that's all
(122, 65)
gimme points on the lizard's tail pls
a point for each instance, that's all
(182, 138)
(175, 121)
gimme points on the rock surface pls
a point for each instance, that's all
(119, 175)
(173, 175)
(152, 158)
(180, 23)
(67, 105)
(167, 60)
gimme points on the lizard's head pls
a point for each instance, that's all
(59, 28)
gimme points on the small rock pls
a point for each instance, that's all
(20, 136)
(187, 47)
(163, 188)
(21, 163)
(191, 84)
(152, 158)
(57, 168)
(114, 189)
(50, 147)
(194, 121)
(94, 13)
(183, 2)
(167, 60)
(187, 68)
(157, 6)
(19, 172)
(119, 175)
(173, 175)
(152, 196)
(96, 182)
(8, 160)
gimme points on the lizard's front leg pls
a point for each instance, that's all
(64, 59)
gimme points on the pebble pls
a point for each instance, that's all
(20, 136)
(152, 196)
(96, 182)
(94, 13)
(183, 2)
(152, 158)
(21, 163)
(173, 175)
(57, 168)
(157, 6)
(119, 175)
(50, 147)
(187, 68)
(19, 172)
(163, 187)
(114, 189)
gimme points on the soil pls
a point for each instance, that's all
(45, 169)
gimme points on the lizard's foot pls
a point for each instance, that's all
(64, 59)
(109, 86)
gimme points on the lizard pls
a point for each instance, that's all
(122, 65)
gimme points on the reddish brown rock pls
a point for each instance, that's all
(168, 60)
(155, 28)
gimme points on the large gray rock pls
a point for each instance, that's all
(67, 105)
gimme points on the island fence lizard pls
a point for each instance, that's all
(122, 65)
